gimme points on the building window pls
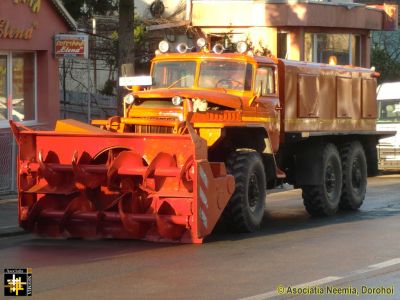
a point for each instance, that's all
(17, 86)
(308, 46)
(3, 87)
(356, 49)
(282, 50)
(345, 48)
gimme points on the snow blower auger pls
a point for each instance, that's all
(94, 183)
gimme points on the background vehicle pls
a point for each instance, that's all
(389, 120)
(212, 127)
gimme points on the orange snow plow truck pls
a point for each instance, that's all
(201, 139)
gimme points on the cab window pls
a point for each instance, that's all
(265, 81)
(389, 111)
(225, 74)
(177, 74)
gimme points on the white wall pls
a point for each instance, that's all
(142, 8)
(77, 75)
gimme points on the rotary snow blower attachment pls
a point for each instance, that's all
(94, 183)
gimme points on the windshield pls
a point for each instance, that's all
(228, 75)
(389, 111)
(174, 74)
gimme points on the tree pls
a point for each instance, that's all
(125, 39)
(385, 56)
(88, 8)
(117, 40)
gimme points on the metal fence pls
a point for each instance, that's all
(7, 163)
(76, 106)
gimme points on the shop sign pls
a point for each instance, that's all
(7, 31)
(71, 45)
(33, 4)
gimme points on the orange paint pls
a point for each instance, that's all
(152, 174)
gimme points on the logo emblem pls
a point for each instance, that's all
(18, 282)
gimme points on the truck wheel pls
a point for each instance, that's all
(354, 167)
(323, 199)
(245, 209)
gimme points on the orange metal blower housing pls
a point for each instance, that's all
(157, 187)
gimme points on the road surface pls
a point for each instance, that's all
(292, 252)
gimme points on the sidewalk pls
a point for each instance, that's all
(9, 217)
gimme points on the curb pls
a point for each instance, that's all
(6, 201)
(8, 197)
(281, 188)
(8, 210)
(11, 231)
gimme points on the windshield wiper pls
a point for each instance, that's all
(177, 81)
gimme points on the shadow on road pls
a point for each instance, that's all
(277, 223)
(44, 252)
(284, 213)
(289, 215)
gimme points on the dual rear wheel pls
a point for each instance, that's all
(344, 181)
(343, 185)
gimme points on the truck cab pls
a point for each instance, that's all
(222, 95)
(388, 97)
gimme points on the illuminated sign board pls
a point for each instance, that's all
(71, 45)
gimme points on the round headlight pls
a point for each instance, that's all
(182, 48)
(163, 46)
(201, 42)
(129, 99)
(241, 47)
(176, 100)
(218, 48)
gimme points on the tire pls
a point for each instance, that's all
(245, 209)
(323, 199)
(354, 181)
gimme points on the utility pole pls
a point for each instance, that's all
(64, 89)
(94, 54)
(126, 52)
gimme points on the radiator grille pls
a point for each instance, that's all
(389, 157)
(152, 129)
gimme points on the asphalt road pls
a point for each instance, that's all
(341, 253)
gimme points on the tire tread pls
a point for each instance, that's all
(313, 195)
(347, 200)
(235, 212)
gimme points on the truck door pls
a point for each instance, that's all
(268, 106)
(266, 88)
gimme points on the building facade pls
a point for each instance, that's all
(29, 84)
(298, 30)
